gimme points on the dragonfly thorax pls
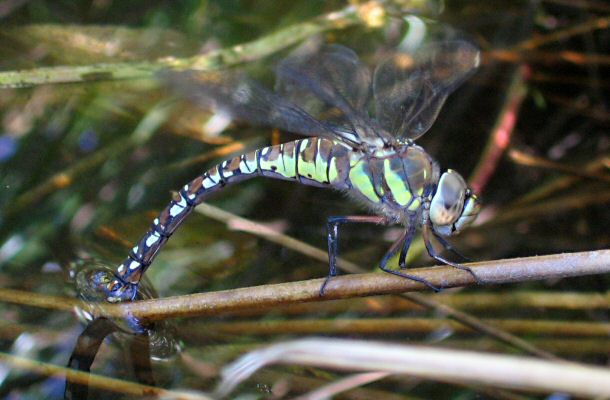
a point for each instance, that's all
(396, 182)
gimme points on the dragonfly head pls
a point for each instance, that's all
(453, 206)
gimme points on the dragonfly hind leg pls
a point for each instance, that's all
(432, 252)
(332, 226)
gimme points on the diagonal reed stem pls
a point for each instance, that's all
(243, 52)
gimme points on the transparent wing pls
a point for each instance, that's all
(334, 76)
(246, 100)
(409, 90)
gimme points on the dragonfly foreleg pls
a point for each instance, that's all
(403, 242)
(449, 247)
(332, 226)
(432, 252)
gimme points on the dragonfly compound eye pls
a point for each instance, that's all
(472, 206)
(448, 201)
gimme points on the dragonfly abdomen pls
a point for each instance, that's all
(312, 161)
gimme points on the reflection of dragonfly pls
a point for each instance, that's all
(373, 160)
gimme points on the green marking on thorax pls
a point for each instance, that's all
(362, 181)
(415, 204)
(400, 191)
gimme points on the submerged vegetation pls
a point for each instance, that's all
(92, 144)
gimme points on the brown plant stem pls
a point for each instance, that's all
(580, 106)
(114, 385)
(573, 348)
(480, 326)
(502, 300)
(547, 57)
(568, 347)
(559, 205)
(564, 34)
(380, 304)
(393, 326)
(561, 183)
(528, 160)
(23, 298)
(491, 272)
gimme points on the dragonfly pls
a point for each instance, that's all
(363, 146)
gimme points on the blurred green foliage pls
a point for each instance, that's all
(102, 157)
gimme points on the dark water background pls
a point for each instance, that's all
(85, 166)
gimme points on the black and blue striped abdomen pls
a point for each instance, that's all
(312, 161)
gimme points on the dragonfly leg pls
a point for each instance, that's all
(437, 257)
(332, 226)
(403, 242)
(408, 237)
(449, 247)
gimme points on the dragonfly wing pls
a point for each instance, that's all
(329, 76)
(248, 101)
(409, 90)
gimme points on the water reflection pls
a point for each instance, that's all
(143, 340)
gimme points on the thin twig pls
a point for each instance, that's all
(114, 385)
(581, 106)
(564, 34)
(561, 183)
(556, 206)
(565, 79)
(547, 57)
(57, 303)
(576, 348)
(395, 326)
(480, 326)
(342, 385)
(528, 160)
(302, 383)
